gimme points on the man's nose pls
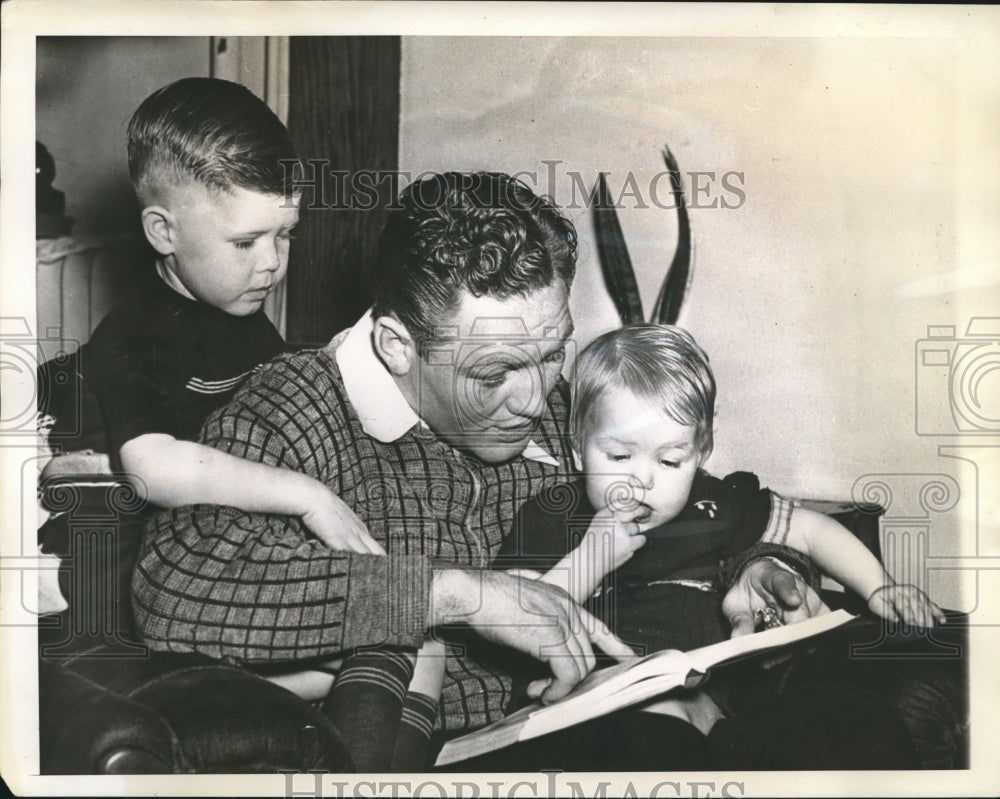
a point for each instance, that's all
(527, 393)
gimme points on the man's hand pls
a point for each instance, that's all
(765, 584)
(336, 525)
(528, 615)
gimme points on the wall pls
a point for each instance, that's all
(86, 90)
(866, 218)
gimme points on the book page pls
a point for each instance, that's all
(708, 656)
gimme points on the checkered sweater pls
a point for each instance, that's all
(250, 587)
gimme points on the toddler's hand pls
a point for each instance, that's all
(907, 604)
(612, 539)
(336, 525)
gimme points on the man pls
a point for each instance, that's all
(434, 418)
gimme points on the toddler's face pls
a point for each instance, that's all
(637, 460)
(230, 248)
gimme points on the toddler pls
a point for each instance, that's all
(643, 409)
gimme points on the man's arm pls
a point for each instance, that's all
(255, 588)
(268, 596)
(172, 473)
(528, 615)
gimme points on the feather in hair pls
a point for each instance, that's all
(678, 278)
(616, 266)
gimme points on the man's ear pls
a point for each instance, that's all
(158, 225)
(394, 345)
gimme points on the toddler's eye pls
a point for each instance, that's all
(669, 464)
(244, 244)
(617, 458)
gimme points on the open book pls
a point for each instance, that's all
(629, 683)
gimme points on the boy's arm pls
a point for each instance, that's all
(172, 473)
(842, 556)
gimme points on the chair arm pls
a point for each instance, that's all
(104, 713)
(231, 720)
(86, 729)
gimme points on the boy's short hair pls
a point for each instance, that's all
(214, 132)
(662, 364)
(485, 232)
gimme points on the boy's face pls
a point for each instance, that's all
(227, 248)
(637, 460)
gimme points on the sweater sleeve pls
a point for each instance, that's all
(250, 587)
(256, 587)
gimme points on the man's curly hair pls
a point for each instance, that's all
(484, 232)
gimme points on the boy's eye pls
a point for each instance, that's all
(244, 244)
(614, 456)
(669, 464)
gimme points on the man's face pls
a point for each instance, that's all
(481, 383)
(230, 248)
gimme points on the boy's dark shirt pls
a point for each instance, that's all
(721, 519)
(161, 363)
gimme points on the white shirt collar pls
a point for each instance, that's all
(384, 413)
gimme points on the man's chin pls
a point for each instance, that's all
(496, 449)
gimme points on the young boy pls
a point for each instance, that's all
(212, 167)
(643, 408)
